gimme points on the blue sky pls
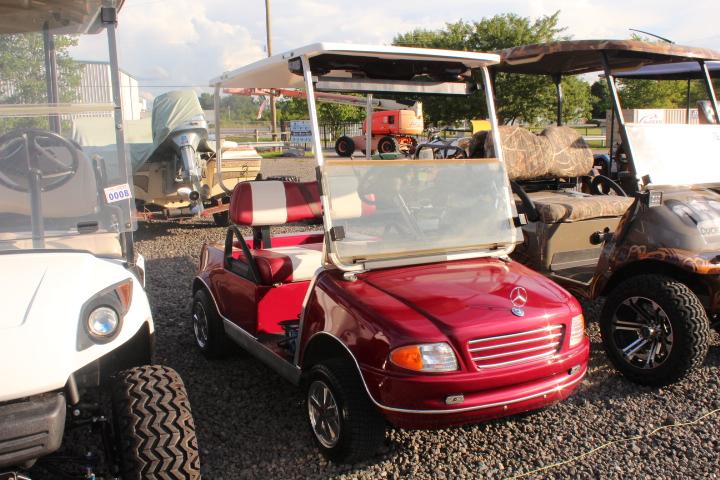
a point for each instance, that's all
(184, 43)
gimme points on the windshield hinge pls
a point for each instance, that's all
(337, 233)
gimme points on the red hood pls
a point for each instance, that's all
(474, 295)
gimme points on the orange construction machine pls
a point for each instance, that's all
(392, 131)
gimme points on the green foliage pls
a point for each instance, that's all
(236, 109)
(600, 98)
(331, 115)
(22, 74)
(519, 97)
(207, 101)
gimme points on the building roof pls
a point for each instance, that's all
(575, 57)
(371, 60)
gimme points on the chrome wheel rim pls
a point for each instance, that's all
(642, 332)
(200, 325)
(324, 414)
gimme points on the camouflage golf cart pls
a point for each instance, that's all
(648, 239)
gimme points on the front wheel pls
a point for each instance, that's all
(344, 146)
(345, 424)
(154, 425)
(654, 329)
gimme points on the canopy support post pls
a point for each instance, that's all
(557, 79)
(617, 108)
(710, 89)
(109, 19)
(51, 75)
(218, 141)
(369, 125)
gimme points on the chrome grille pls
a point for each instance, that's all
(503, 350)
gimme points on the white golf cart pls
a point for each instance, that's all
(76, 331)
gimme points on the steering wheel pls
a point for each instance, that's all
(602, 185)
(449, 151)
(32, 149)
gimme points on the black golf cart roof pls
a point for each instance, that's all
(573, 57)
(671, 71)
(61, 16)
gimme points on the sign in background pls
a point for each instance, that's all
(300, 131)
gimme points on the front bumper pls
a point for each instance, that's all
(31, 428)
(420, 401)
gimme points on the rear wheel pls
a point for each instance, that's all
(154, 425)
(386, 145)
(654, 329)
(207, 326)
(344, 146)
(345, 424)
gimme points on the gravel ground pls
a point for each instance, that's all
(250, 422)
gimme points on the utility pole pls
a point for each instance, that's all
(273, 111)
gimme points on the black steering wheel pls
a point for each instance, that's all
(32, 150)
(602, 185)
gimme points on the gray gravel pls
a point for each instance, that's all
(251, 424)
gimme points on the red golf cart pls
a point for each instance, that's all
(406, 307)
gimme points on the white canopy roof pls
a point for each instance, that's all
(273, 72)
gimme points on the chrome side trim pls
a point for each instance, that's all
(519, 334)
(284, 368)
(556, 388)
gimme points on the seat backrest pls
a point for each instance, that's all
(265, 203)
(570, 155)
(556, 152)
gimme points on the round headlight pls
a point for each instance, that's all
(103, 321)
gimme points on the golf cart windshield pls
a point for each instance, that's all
(406, 210)
(658, 145)
(383, 209)
(54, 193)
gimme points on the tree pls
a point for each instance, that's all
(22, 73)
(600, 98)
(526, 98)
(332, 115)
(207, 101)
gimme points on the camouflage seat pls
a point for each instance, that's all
(557, 207)
(557, 152)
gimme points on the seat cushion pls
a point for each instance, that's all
(557, 207)
(295, 263)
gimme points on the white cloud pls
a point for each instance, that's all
(186, 42)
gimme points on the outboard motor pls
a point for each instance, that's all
(187, 137)
(181, 131)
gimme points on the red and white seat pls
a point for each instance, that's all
(267, 203)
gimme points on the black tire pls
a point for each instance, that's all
(679, 308)
(154, 425)
(216, 343)
(222, 219)
(386, 145)
(344, 146)
(361, 427)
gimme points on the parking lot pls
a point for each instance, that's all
(251, 424)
